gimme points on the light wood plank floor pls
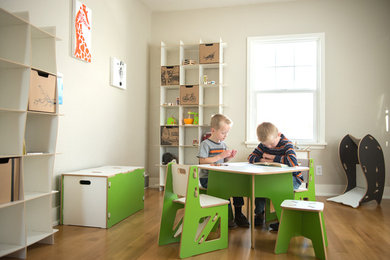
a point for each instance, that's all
(362, 233)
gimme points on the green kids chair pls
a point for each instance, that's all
(307, 191)
(202, 214)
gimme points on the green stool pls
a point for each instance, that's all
(302, 218)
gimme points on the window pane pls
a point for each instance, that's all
(292, 113)
(285, 85)
(266, 78)
(306, 53)
(266, 55)
(284, 54)
(305, 78)
(285, 78)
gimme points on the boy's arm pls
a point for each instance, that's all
(209, 160)
(204, 155)
(232, 155)
(289, 158)
(256, 155)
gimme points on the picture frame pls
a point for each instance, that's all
(118, 73)
(81, 32)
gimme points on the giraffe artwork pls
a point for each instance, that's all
(82, 25)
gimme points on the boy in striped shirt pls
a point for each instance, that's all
(273, 147)
(214, 151)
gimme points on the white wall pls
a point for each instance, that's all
(357, 67)
(101, 124)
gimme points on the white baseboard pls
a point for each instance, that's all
(329, 189)
(334, 190)
(154, 182)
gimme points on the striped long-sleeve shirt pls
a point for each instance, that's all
(284, 153)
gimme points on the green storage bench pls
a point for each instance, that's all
(101, 197)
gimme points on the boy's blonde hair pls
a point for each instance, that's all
(217, 119)
(266, 131)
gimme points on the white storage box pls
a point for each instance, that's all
(101, 197)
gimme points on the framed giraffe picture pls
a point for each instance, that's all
(81, 31)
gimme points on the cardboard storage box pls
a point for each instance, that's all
(169, 135)
(170, 75)
(9, 179)
(189, 95)
(209, 53)
(101, 197)
(42, 95)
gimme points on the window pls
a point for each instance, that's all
(285, 86)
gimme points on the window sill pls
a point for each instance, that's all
(315, 146)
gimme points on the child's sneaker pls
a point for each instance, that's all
(231, 224)
(241, 220)
(274, 226)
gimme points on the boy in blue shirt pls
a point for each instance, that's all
(214, 151)
(273, 147)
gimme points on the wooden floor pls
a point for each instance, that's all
(362, 233)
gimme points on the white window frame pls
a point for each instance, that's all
(319, 116)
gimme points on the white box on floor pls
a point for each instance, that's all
(101, 197)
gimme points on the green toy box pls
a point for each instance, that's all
(101, 197)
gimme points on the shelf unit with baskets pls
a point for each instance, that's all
(27, 138)
(191, 87)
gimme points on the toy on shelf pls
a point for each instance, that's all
(189, 62)
(192, 119)
(171, 121)
(368, 153)
(196, 117)
(206, 81)
(188, 121)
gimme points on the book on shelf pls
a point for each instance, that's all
(272, 164)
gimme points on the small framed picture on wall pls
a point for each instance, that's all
(118, 73)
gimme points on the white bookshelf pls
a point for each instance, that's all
(210, 99)
(24, 47)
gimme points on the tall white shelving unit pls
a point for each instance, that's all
(24, 47)
(210, 99)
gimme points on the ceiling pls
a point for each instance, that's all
(178, 5)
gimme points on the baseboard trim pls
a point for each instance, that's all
(334, 190)
(154, 182)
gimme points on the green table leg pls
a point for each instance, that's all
(276, 187)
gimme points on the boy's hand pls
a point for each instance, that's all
(233, 153)
(268, 157)
(226, 154)
(265, 160)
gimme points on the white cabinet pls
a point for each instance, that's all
(30, 136)
(209, 82)
(110, 194)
